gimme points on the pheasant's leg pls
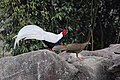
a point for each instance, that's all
(79, 57)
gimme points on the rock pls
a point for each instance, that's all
(37, 65)
(115, 67)
(99, 53)
(97, 68)
(69, 57)
(114, 48)
(106, 52)
(84, 72)
(92, 67)
(117, 78)
(101, 64)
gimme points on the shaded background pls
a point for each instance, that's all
(94, 20)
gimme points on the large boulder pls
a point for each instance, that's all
(47, 65)
(92, 67)
(37, 65)
(101, 64)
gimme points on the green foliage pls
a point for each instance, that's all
(95, 20)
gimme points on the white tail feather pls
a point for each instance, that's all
(35, 32)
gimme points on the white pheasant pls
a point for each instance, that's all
(35, 32)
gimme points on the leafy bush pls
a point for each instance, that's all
(95, 20)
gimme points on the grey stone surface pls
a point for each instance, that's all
(37, 65)
(92, 67)
(101, 64)
(115, 67)
(114, 48)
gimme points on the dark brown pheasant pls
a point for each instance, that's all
(72, 48)
(59, 48)
(76, 47)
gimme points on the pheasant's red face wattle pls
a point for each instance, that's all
(64, 32)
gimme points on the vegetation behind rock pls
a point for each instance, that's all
(97, 20)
